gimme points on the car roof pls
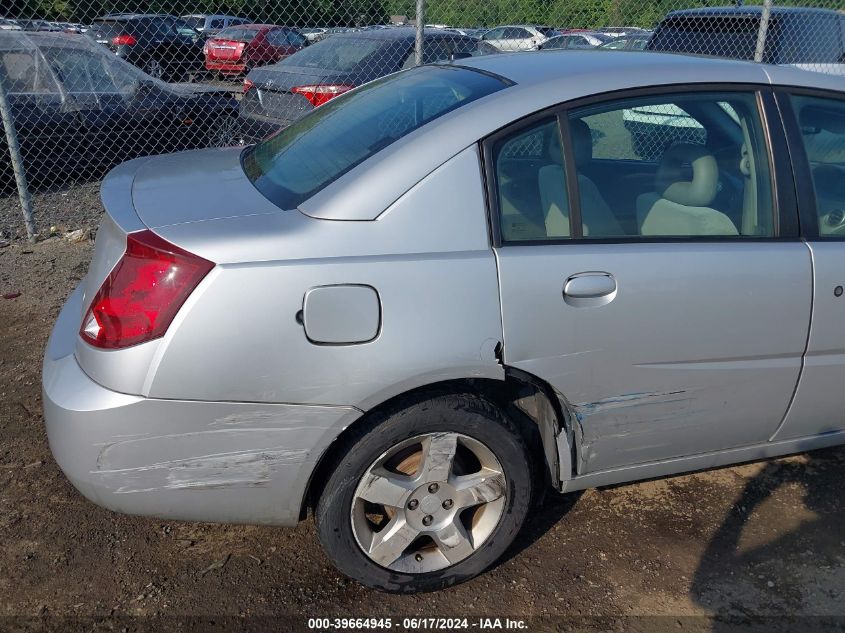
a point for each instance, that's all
(132, 16)
(257, 27)
(753, 11)
(599, 70)
(399, 33)
(45, 38)
(541, 80)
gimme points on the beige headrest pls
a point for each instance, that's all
(672, 182)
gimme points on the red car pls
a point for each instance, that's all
(238, 49)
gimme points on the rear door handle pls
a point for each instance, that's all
(589, 289)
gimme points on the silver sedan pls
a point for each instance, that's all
(439, 293)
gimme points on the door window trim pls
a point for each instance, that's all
(785, 223)
(802, 173)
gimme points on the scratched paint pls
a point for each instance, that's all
(246, 468)
(586, 409)
(618, 417)
(203, 460)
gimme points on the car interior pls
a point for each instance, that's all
(823, 128)
(697, 167)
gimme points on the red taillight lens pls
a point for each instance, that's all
(248, 85)
(318, 95)
(124, 40)
(143, 292)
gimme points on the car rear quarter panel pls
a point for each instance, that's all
(427, 256)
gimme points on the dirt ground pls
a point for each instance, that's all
(759, 544)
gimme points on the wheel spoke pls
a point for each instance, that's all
(388, 544)
(384, 488)
(454, 542)
(481, 487)
(438, 455)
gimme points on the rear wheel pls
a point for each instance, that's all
(427, 495)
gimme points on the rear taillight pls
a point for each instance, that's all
(248, 85)
(124, 40)
(319, 94)
(143, 292)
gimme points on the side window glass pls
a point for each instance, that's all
(822, 124)
(688, 165)
(530, 184)
(25, 72)
(216, 24)
(436, 50)
(295, 39)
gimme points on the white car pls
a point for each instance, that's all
(518, 37)
(9, 25)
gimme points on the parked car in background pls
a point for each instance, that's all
(796, 35)
(7, 24)
(518, 37)
(314, 33)
(164, 46)
(39, 25)
(239, 49)
(211, 24)
(575, 40)
(623, 31)
(628, 43)
(442, 293)
(277, 95)
(77, 108)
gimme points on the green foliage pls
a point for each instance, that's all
(557, 13)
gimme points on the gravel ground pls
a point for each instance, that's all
(755, 544)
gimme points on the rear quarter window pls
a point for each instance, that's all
(296, 163)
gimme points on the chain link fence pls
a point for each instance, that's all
(87, 84)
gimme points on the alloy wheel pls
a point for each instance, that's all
(429, 502)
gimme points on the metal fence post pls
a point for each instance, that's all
(17, 162)
(418, 46)
(760, 51)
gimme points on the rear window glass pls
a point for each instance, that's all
(717, 35)
(237, 34)
(195, 22)
(108, 30)
(340, 53)
(293, 165)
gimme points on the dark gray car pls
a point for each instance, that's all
(277, 95)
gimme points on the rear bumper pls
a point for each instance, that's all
(226, 67)
(201, 461)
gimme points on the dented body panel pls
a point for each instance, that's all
(699, 350)
(200, 461)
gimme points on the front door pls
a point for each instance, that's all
(672, 323)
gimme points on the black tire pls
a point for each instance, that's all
(467, 414)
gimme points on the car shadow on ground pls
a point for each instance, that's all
(738, 577)
(544, 515)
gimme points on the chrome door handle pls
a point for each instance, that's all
(589, 289)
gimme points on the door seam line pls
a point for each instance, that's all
(806, 343)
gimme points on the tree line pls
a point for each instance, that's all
(468, 13)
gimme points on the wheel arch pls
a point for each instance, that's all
(543, 417)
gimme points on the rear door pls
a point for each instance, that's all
(679, 334)
(816, 122)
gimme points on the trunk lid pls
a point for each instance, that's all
(195, 186)
(225, 50)
(272, 97)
